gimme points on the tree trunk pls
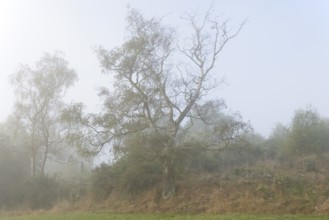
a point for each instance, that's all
(33, 151)
(168, 178)
(44, 160)
(33, 164)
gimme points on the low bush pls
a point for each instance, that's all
(41, 192)
(129, 174)
(102, 181)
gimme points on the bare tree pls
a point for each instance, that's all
(152, 92)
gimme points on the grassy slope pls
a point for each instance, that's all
(88, 216)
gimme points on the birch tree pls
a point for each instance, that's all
(39, 99)
(158, 81)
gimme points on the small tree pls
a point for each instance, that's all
(276, 141)
(154, 94)
(39, 100)
(309, 133)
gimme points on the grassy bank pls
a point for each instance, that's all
(92, 216)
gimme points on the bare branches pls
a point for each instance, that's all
(209, 37)
(149, 94)
(152, 101)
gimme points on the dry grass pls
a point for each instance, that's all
(100, 216)
(266, 188)
(277, 195)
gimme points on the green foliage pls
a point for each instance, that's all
(39, 94)
(221, 141)
(217, 160)
(140, 176)
(276, 141)
(158, 82)
(124, 176)
(308, 133)
(13, 172)
(136, 169)
(102, 181)
(41, 192)
(16, 188)
(74, 190)
(141, 163)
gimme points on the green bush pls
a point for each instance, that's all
(215, 161)
(102, 181)
(139, 177)
(125, 175)
(41, 192)
(308, 133)
(13, 173)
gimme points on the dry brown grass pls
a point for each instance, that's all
(230, 196)
(269, 187)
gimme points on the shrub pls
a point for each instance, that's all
(13, 173)
(129, 174)
(41, 192)
(309, 133)
(102, 181)
(139, 177)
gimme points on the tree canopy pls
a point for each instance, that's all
(158, 82)
(39, 99)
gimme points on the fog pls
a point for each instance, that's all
(155, 129)
(277, 64)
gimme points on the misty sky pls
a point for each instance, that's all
(278, 63)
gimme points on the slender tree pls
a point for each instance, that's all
(39, 100)
(153, 92)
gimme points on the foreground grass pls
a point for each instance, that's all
(90, 216)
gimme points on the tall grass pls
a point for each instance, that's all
(93, 216)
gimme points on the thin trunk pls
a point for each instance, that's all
(33, 164)
(168, 175)
(44, 161)
(33, 151)
(168, 181)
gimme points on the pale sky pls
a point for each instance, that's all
(278, 63)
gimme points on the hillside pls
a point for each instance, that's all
(265, 187)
